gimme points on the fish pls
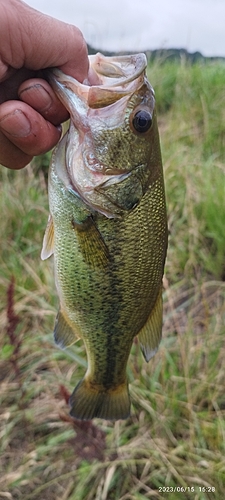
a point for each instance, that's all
(107, 228)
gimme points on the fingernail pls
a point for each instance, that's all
(40, 94)
(16, 124)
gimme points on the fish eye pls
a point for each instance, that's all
(142, 120)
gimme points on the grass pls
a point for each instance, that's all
(173, 445)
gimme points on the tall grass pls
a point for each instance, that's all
(193, 147)
(173, 445)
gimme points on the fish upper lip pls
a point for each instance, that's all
(120, 66)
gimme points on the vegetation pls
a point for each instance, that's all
(173, 445)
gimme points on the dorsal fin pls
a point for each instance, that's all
(151, 333)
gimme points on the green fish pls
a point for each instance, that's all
(107, 228)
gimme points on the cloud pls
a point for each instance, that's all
(145, 24)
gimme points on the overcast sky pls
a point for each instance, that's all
(144, 24)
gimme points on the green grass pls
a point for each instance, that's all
(173, 445)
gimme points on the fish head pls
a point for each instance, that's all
(112, 149)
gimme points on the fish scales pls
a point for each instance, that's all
(109, 257)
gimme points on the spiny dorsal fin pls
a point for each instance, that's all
(48, 241)
(151, 333)
(64, 334)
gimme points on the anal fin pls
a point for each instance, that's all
(64, 334)
(151, 333)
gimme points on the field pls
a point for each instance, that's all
(173, 445)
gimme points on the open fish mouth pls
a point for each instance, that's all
(94, 109)
(127, 68)
(117, 76)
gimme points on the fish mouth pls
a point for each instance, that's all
(118, 78)
(110, 69)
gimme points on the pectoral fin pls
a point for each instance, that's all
(151, 333)
(92, 244)
(64, 334)
(48, 241)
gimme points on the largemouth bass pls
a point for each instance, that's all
(107, 228)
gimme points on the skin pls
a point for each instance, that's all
(30, 112)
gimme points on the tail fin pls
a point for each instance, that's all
(88, 402)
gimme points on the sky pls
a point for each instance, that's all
(136, 25)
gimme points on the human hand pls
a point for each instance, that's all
(29, 42)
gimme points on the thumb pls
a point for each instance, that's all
(36, 41)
